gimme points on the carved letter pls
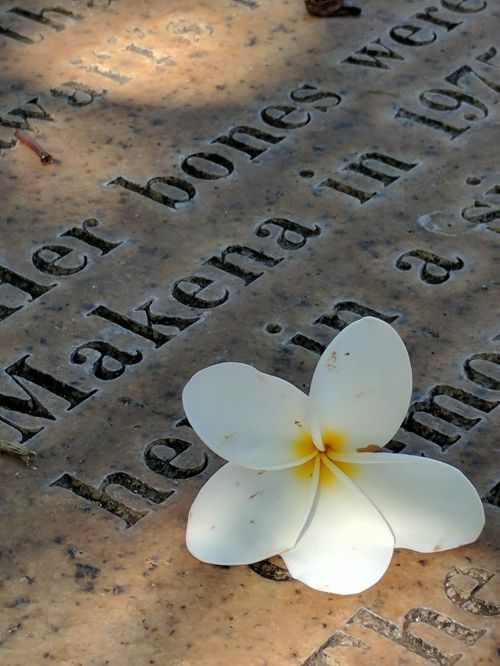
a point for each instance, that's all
(304, 95)
(334, 321)
(233, 269)
(289, 232)
(353, 192)
(406, 39)
(482, 216)
(360, 167)
(104, 500)
(435, 20)
(7, 145)
(407, 639)
(481, 378)
(166, 465)
(25, 432)
(34, 289)
(203, 174)
(50, 265)
(430, 407)
(458, 6)
(91, 239)
(105, 349)
(12, 34)
(41, 18)
(78, 94)
(338, 639)
(493, 495)
(21, 369)
(304, 341)
(430, 259)
(32, 109)
(190, 298)
(373, 56)
(427, 121)
(383, 177)
(273, 116)
(249, 148)
(32, 406)
(150, 193)
(468, 601)
(146, 331)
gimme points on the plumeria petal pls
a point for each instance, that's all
(346, 545)
(361, 388)
(429, 505)
(243, 515)
(248, 417)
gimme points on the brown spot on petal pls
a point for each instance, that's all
(369, 448)
(331, 365)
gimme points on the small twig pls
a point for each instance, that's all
(330, 8)
(28, 140)
(17, 450)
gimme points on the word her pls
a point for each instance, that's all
(52, 260)
(160, 456)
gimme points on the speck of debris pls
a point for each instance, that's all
(20, 601)
(86, 571)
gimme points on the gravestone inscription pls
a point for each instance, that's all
(235, 181)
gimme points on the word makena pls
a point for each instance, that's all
(196, 292)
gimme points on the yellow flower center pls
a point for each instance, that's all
(334, 443)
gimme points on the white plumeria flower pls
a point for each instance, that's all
(303, 480)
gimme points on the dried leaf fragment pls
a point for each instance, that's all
(330, 8)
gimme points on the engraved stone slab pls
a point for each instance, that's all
(235, 181)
